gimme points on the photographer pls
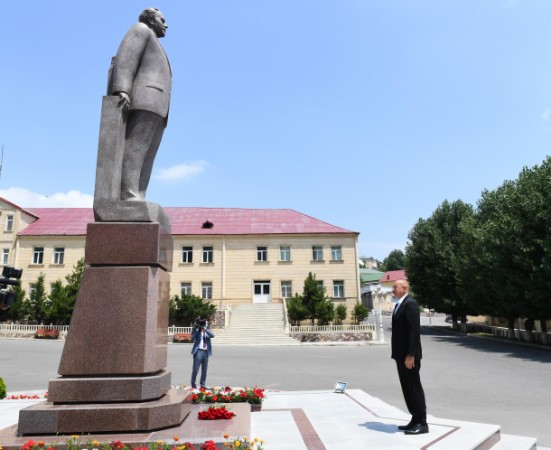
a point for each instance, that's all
(201, 350)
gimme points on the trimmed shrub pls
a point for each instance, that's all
(3, 389)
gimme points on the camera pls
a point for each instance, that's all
(200, 322)
(10, 277)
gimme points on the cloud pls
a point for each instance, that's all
(181, 171)
(26, 199)
(546, 115)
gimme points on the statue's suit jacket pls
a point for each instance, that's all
(406, 330)
(141, 69)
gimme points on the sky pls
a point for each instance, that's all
(364, 114)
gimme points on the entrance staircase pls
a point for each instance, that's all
(256, 324)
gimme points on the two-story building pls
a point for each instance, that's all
(229, 256)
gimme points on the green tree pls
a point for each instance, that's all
(18, 310)
(514, 247)
(315, 301)
(359, 313)
(394, 261)
(60, 306)
(434, 258)
(340, 314)
(183, 310)
(325, 312)
(296, 311)
(38, 301)
(533, 210)
(497, 255)
(73, 281)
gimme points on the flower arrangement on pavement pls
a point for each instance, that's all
(26, 396)
(254, 396)
(215, 413)
(74, 443)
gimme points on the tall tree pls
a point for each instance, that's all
(60, 306)
(18, 310)
(74, 279)
(515, 246)
(497, 254)
(316, 302)
(434, 256)
(394, 261)
(38, 301)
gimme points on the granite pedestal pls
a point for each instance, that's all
(113, 366)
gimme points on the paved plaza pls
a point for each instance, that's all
(466, 379)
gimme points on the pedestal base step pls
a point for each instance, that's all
(190, 430)
(48, 418)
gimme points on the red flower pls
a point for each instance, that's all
(243, 394)
(215, 414)
(215, 398)
(209, 445)
(194, 397)
(259, 392)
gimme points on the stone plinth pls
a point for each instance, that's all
(47, 418)
(115, 243)
(103, 389)
(119, 324)
(113, 365)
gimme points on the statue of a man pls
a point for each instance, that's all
(142, 78)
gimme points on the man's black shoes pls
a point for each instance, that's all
(409, 426)
(417, 429)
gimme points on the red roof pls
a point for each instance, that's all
(59, 222)
(393, 275)
(16, 206)
(229, 221)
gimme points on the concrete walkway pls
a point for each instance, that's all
(325, 420)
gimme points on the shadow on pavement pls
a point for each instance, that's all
(488, 344)
(381, 427)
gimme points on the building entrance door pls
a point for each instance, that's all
(261, 291)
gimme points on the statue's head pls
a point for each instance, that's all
(155, 20)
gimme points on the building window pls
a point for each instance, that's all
(208, 254)
(338, 289)
(285, 253)
(262, 253)
(5, 256)
(206, 290)
(9, 222)
(32, 287)
(187, 254)
(336, 253)
(38, 255)
(320, 284)
(59, 255)
(317, 253)
(286, 289)
(185, 289)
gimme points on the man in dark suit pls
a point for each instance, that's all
(201, 351)
(406, 351)
(142, 78)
